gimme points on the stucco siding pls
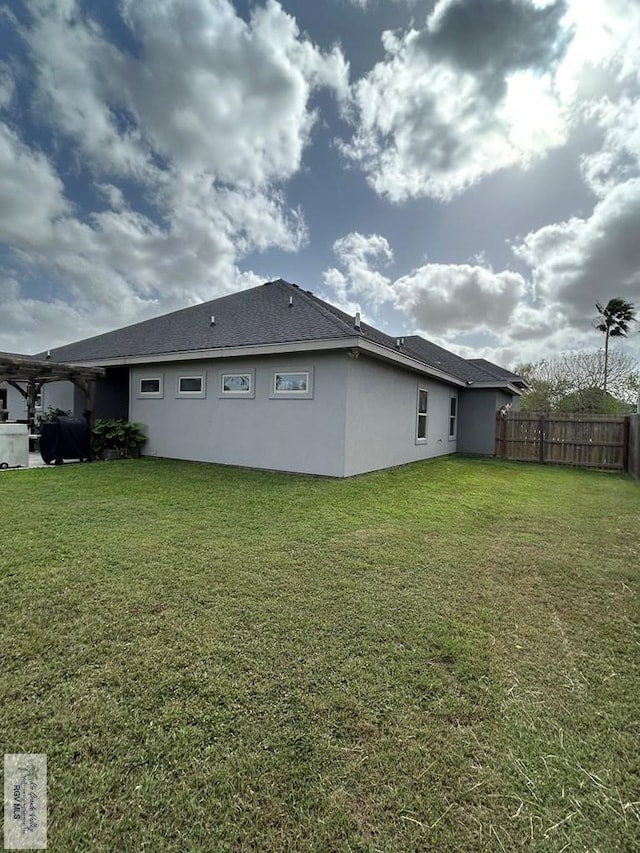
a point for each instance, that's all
(59, 395)
(382, 417)
(16, 404)
(304, 435)
(477, 428)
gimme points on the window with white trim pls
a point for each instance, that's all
(292, 384)
(192, 385)
(237, 384)
(150, 386)
(453, 417)
(422, 415)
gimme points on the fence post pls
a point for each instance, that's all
(541, 448)
(625, 444)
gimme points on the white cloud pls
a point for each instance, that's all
(581, 261)
(31, 194)
(458, 297)
(476, 311)
(484, 86)
(439, 298)
(7, 86)
(209, 92)
(185, 142)
(456, 100)
(80, 83)
(618, 158)
(360, 255)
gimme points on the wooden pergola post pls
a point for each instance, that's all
(27, 375)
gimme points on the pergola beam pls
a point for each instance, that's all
(22, 369)
(34, 373)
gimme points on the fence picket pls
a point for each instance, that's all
(603, 442)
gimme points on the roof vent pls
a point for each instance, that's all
(291, 302)
(356, 321)
(399, 342)
(212, 320)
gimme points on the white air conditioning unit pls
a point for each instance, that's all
(14, 446)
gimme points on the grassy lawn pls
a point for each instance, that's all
(439, 657)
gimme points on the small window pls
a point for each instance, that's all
(191, 386)
(296, 383)
(237, 384)
(421, 425)
(150, 386)
(453, 417)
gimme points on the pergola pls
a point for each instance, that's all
(27, 375)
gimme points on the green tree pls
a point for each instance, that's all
(572, 382)
(613, 320)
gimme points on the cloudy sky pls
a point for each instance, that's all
(465, 169)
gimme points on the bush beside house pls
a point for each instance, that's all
(116, 438)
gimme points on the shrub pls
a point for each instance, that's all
(117, 434)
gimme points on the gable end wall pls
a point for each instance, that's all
(381, 417)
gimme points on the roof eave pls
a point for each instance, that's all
(503, 386)
(342, 343)
(225, 352)
(415, 364)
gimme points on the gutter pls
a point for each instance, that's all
(496, 383)
(354, 342)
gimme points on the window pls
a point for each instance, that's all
(297, 383)
(453, 417)
(292, 383)
(421, 425)
(150, 386)
(191, 386)
(237, 384)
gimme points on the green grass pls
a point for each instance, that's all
(438, 657)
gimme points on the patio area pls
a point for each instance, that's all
(36, 461)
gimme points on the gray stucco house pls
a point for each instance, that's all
(274, 377)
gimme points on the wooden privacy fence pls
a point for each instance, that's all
(633, 456)
(604, 442)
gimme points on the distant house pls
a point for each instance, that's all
(275, 378)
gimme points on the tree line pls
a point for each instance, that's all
(587, 382)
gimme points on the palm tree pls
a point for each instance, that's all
(613, 320)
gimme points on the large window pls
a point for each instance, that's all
(422, 415)
(453, 417)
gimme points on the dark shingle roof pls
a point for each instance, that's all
(440, 358)
(252, 317)
(263, 316)
(466, 369)
(495, 371)
(14, 355)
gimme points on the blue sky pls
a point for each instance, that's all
(464, 169)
